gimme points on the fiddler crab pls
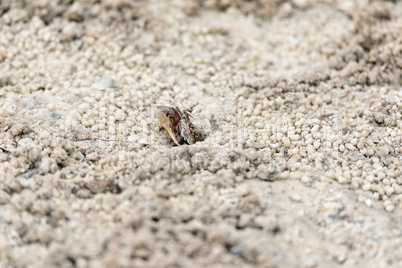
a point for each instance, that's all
(178, 125)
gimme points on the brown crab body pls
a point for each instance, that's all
(178, 125)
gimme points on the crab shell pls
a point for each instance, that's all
(169, 121)
(178, 125)
(186, 130)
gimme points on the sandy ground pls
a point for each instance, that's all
(297, 105)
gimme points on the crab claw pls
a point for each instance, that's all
(165, 122)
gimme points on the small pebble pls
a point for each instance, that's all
(305, 179)
(83, 193)
(390, 208)
(294, 137)
(369, 203)
(104, 83)
(295, 197)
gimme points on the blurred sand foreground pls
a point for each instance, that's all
(298, 105)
